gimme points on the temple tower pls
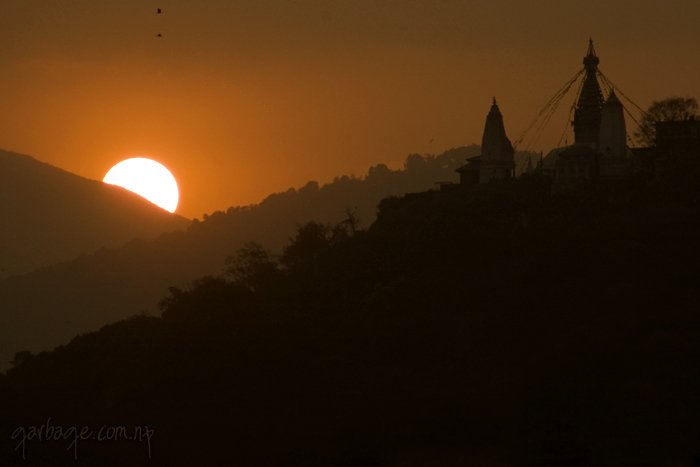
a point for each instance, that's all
(612, 141)
(614, 162)
(497, 161)
(590, 102)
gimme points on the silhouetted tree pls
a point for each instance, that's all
(251, 265)
(22, 357)
(208, 298)
(346, 228)
(414, 162)
(310, 240)
(378, 171)
(669, 109)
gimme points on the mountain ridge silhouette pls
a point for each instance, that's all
(502, 324)
(51, 215)
(85, 293)
(82, 294)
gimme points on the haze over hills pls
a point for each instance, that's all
(50, 215)
(84, 294)
(498, 325)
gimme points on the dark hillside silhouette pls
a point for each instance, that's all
(500, 325)
(84, 294)
(50, 215)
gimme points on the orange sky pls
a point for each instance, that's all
(243, 98)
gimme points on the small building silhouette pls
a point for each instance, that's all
(496, 161)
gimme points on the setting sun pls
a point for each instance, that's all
(147, 178)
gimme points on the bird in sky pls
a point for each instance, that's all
(159, 35)
(159, 11)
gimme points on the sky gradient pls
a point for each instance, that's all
(243, 98)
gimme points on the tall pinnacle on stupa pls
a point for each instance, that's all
(589, 104)
(591, 60)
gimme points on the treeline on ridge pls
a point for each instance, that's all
(500, 325)
(84, 294)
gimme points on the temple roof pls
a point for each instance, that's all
(495, 143)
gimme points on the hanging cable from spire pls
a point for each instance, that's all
(585, 109)
(570, 116)
(611, 85)
(549, 107)
(617, 89)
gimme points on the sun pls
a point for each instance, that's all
(146, 178)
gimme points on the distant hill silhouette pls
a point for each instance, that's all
(50, 215)
(499, 325)
(84, 294)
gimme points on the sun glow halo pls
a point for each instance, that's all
(147, 178)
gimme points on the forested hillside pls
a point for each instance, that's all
(84, 294)
(499, 325)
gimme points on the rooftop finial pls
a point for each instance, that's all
(591, 60)
(494, 100)
(591, 49)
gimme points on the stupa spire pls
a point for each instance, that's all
(591, 59)
(590, 101)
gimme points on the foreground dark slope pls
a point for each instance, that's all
(50, 215)
(82, 295)
(499, 326)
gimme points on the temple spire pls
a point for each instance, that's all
(496, 161)
(591, 49)
(612, 141)
(590, 101)
(496, 150)
(591, 60)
